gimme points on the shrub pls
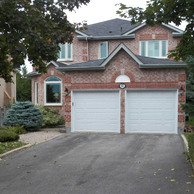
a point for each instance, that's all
(51, 117)
(17, 129)
(3, 128)
(7, 135)
(24, 114)
(191, 146)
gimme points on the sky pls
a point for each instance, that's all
(98, 11)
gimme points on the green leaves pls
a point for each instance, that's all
(33, 28)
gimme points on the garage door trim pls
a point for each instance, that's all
(92, 90)
(153, 89)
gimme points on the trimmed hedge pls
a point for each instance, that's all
(7, 135)
(51, 116)
(24, 114)
(17, 129)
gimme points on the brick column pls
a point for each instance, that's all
(122, 111)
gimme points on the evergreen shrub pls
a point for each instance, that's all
(24, 114)
(51, 117)
(7, 135)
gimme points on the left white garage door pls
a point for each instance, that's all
(96, 111)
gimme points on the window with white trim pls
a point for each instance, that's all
(65, 53)
(154, 48)
(103, 50)
(53, 91)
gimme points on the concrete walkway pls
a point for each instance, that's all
(40, 136)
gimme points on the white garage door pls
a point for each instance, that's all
(150, 111)
(96, 111)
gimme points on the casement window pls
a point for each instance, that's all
(53, 91)
(103, 50)
(65, 53)
(36, 92)
(154, 48)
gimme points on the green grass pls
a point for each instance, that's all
(7, 146)
(190, 139)
(187, 136)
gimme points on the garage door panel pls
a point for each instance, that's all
(151, 111)
(96, 111)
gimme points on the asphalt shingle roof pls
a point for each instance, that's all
(95, 63)
(110, 28)
(149, 60)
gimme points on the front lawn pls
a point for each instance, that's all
(190, 139)
(7, 146)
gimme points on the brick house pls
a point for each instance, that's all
(7, 92)
(115, 77)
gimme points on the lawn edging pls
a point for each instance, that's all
(187, 148)
(15, 150)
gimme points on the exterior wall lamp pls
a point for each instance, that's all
(181, 90)
(66, 91)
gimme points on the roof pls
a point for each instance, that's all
(116, 28)
(111, 27)
(143, 62)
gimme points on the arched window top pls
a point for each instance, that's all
(52, 78)
(122, 78)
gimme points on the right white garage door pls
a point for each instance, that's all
(151, 111)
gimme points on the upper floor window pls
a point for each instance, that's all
(154, 48)
(52, 91)
(103, 50)
(65, 53)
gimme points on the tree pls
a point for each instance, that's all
(166, 11)
(189, 106)
(33, 28)
(23, 86)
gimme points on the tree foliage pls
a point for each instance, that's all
(189, 106)
(166, 11)
(23, 86)
(33, 28)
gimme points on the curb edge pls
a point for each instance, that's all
(15, 150)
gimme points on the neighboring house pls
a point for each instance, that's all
(7, 92)
(115, 77)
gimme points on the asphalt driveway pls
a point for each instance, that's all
(99, 163)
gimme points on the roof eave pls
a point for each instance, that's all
(79, 68)
(177, 34)
(162, 65)
(131, 36)
(33, 73)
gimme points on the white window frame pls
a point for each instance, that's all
(36, 92)
(66, 53)
(99, 49)
(160, 48)
(45, 92)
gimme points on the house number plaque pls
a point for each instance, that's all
(122, 86)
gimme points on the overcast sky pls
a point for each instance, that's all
(100, 10)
